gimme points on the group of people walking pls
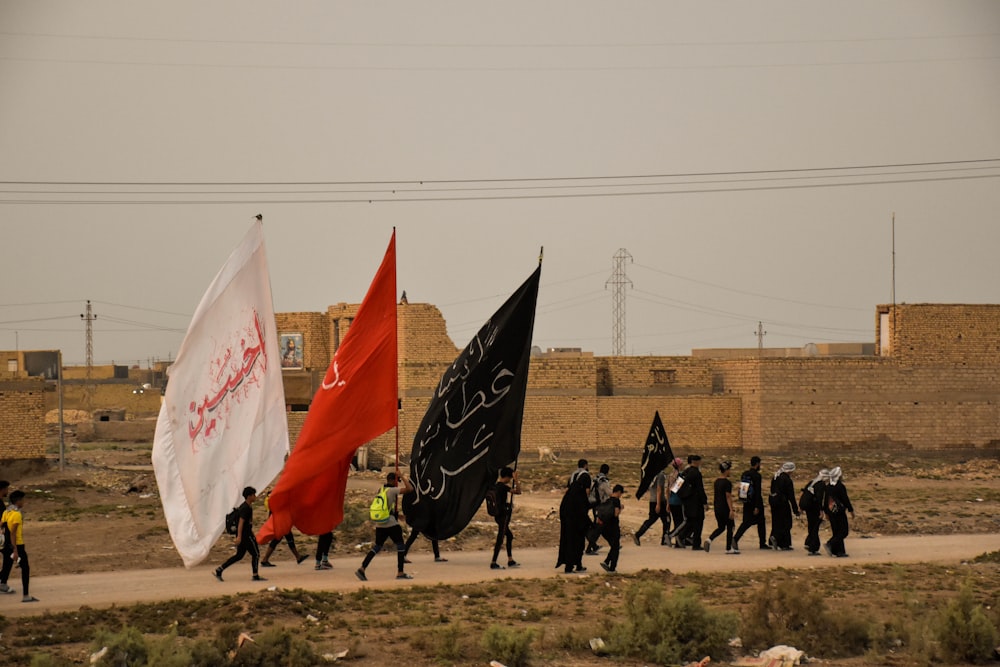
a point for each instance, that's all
(590, 510)
(678, 499)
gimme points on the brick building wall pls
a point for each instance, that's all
(938, 386)
(942, 334)
(22, 419)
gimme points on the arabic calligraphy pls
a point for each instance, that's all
(234, 372)
(336, 381)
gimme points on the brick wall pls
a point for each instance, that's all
(955, 334)
(22, 419)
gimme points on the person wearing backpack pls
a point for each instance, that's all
(811, 502)
(607, 514)
(506, 486)
(753, 505)
(837, 506)
(387, 525)
(600, 491)
(246, 541)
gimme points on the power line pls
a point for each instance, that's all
(744, 172)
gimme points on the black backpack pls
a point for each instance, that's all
(605, 511)
(233, 521)
(491, 501)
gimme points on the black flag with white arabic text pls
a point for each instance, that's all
(656, 455)
(472, 427)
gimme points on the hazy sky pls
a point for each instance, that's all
(749, 157)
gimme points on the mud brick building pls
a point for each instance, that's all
(930, 379)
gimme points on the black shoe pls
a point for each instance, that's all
(298, 561)
(607, 568)
(496, 566)
(765, 547)
(217, 574)
(635, 538)
(438, 559)
(580, 568)
(360, 574)
(264, 563)
(513, 563)
(257, 577)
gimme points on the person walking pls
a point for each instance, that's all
(611, 530)
(694, 500)
(811, 502)
(574, 520)
(674, 504)
(13, 521)
(246, 543)
(783, 505)
(265, 561)
(434, 547)
(506, 487)
(8, 544)
(658, 508)
(725, 509)
(323, 545)
(389, 528)
(600, 491)
(837, 506)
(753, 505)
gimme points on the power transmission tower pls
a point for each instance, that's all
(618, 280)
(88, 387)
(760, 333)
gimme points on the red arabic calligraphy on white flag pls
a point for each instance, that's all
(222, 425)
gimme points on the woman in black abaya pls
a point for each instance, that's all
(574, 521)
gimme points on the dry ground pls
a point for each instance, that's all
(101, 513)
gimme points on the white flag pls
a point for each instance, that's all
(222, 425)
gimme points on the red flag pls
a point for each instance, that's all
(356, 403)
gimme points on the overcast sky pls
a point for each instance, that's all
(748, 156)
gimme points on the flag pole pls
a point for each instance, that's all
(541, 254)
(398, 402)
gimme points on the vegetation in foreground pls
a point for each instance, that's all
(842, 616)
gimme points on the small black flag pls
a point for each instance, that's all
(472, 427)
(656, 455)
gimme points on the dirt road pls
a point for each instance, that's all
(125, 587)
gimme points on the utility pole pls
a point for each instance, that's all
(618, 281)
(760, 333)
(88, 388)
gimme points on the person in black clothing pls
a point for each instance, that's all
(658, 509)
(837, 505)
(506, 486)
(246, 542)
(582, 468)
(574, 521)
(783, 505)
(694, 500)
(725, 510)
(753, 507)
(434, 547)
(811, 502)
(611, 529)
(599, 492)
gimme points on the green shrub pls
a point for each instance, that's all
(512, 647)
(670, 629)
(275, 646)
(791, 613)
(448, 643)
(125, 648)
(963, 630)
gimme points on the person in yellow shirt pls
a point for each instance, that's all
(13, 521)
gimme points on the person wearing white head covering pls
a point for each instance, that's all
(837, 506)
(783, 505)
(811, 502)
